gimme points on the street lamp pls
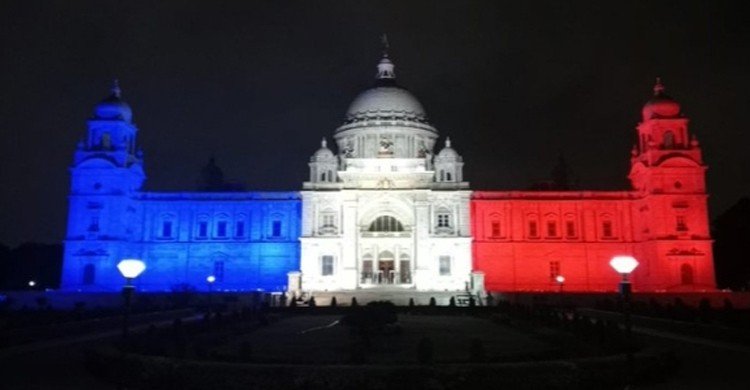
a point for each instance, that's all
(32, 283)
(560, 281)
(624, 265)
(210, 279)
(130, 269)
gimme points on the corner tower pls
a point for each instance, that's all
(107, 170)
(668, 174)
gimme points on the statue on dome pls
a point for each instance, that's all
(422, 152)
(386, 146)
(348, 150)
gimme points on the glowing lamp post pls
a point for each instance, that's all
(32, 283)
(130, 269)
(624, 265)
(210, 279)
(560, 281)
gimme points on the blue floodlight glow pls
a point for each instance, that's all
(247, 240)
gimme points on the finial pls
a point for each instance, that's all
(386, 46)
(385, 67)
(116, 91)
(323, 143)
(658, 87)
(447, 142)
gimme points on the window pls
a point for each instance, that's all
(219, 271)
(607, 229)
(276, 229)
(445, 265)
(386, 223)
(681, 224)
(166, 229)
(239, 229)
(326, 265)
(448, 176)
(668, 140)
(444, 220)
(570, 229)
(329, 220)
(554, 270)
(89, 274)
(551, 228)
(323, 176)
(202, 229)
(221, 229)
(532, 229)
(94, 223)
(495, 231)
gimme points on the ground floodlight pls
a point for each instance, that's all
(131, 268)
(624, 264)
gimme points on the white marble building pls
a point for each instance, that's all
(385, 212)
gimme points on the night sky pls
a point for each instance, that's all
(257, 84)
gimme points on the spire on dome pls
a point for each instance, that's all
(659, 87)
(323, 143)
(385, 66)
(386, 46)
(116, 91)
(447, 142)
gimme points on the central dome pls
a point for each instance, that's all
(386, 100)
(385, 121)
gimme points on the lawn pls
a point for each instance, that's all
(294, 339)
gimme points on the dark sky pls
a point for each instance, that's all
(259, 83)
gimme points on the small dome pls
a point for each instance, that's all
(661, 105)
(448, 153)
(323, 154)
(113, 107)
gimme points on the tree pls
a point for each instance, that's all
(731, 230)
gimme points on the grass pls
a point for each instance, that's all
(451, 336)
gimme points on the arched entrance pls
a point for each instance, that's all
(386, 268)
(686, 274)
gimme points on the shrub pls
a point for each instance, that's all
(334, 303)
(451, 302)
(311, 302)
(432, 301)
(411, 302)
(354, 301)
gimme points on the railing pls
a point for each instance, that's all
(385, 278)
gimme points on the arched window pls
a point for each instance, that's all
(386, 223)
(686, 274)
(448, 176)
(570, 226)
(89, 274)
(668, 140)
(323, 176)
(222, 225)
(106, 141)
